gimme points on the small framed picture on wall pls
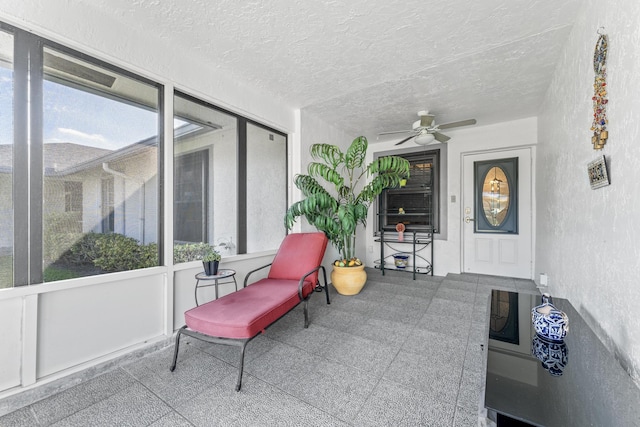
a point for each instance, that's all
(598, 175)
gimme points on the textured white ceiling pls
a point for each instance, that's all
(368, 66)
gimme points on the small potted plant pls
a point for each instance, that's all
(210, 261)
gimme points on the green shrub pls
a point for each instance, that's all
(60, 232)
(85, 249)
(190, 252)
(120, 253)
(148, 255)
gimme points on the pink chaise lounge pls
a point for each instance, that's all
(237, 318)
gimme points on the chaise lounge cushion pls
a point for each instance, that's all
(294, 247)
(246, 313)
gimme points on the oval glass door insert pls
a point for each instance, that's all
(495, 196)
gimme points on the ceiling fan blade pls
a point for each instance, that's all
(404, 140)
(395, 131)
(440, 137)
(457, 124)
(426, 120)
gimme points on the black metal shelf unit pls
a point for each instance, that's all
(418, 240)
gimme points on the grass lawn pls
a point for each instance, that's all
(6, 271)
(51, 273)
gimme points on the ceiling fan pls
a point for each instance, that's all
(425, 131)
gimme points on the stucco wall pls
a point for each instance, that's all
(588, 240)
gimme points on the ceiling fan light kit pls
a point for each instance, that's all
(425, 139)
(425, 131)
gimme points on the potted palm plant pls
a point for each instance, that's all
(333, 204)
(211, 261)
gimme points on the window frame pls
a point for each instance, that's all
(28, 159)
(241, 179)
(439, 185)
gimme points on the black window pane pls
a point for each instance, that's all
(415, 203)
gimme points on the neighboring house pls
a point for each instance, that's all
(107, 190)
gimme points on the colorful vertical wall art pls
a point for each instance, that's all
(600, 101)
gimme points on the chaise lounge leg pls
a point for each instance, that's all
(306, 312)
(241, 367)
(175, 351)
(326, 284)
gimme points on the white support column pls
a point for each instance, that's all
(168, 209)
(28, 371)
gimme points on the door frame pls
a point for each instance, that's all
(532, 181)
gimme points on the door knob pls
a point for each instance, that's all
(468, 220)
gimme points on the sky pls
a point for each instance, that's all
(75, 116)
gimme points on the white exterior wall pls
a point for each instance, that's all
(6, 211)
(588, 240)
(267, 189)
(223, 180)
(223, 196)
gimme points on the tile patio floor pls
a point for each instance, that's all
(401, 353)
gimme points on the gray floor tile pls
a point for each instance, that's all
(497, 282)
(380, 293)
(464, 285)
(172, 419)
(475, 357)
(464, 277)
(413, 302)
(463, 295)
(361, 353)
(257, 404)
(470, 388)
(465, 418)
(335, 388)
(437, 346)
(449, 308)
(21, 418)
(192, 375)
(420, 289)
(438, 378)
(383, 331)
(354, 306)
(341, 319)
(72, 400)
(478, 332)
(408, 316)
(392, 404)
(452, 325)
(133, 406)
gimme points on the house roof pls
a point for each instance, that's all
(66, 158)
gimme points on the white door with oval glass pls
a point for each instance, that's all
(497, 213)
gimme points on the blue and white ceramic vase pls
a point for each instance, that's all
(401, 260)
(549, 322)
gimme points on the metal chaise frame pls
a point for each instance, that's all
(242, 342)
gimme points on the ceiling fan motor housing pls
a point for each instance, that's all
(426, 131)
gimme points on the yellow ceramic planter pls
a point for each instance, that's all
(348, 280)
